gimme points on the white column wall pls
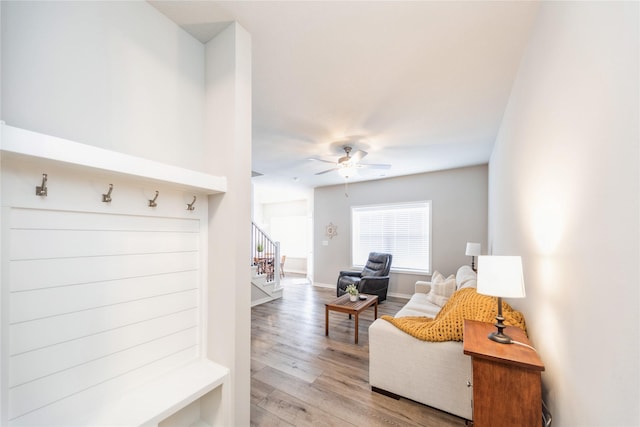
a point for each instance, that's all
(228, 143)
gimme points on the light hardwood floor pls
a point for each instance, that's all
(301, 377)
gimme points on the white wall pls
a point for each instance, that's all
(271, 199)
(565, 193)
(459, 215)
(118, 75)
(287, 223)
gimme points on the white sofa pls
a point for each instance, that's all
(437, 374)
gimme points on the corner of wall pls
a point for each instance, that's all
(228, 151)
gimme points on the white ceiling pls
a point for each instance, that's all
(420, 85)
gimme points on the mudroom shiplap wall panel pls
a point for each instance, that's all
(99, 296)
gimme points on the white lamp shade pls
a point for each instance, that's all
(473, 249)
(501, 276)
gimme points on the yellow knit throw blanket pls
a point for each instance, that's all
(448, 323)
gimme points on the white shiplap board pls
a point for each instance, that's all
(93, 298)
(96, 297)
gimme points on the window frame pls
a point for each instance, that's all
(429, 207)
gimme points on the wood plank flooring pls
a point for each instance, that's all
(300, 377)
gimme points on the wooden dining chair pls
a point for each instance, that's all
(282, 260)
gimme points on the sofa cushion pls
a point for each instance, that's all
(441, 290)
(465, 278)
(448, 324)
(429, 303)
(418, 305)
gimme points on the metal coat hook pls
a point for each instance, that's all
(190, 206)
(152, 203)
(107, 197)
(41, 190)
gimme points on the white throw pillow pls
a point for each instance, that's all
(437, 277)
(441, 290)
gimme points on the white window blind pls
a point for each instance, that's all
(403, 230)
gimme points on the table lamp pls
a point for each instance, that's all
(500, 276)
(473, 250)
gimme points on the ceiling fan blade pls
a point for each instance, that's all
(322, 160)
(328, 170)
(358, 155)
(374, 166)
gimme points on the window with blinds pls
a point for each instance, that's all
(401, 229)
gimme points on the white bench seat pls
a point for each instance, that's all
(146, 405)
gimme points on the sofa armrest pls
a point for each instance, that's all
(422, 287)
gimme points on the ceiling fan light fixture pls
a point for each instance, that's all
(348, 170)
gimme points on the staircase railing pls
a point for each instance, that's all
(265, 254)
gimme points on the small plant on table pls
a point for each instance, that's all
(352, 290)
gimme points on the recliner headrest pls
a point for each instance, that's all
(378, 264)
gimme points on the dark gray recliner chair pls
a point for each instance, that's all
(373, 279)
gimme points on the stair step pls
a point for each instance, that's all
(268, 287)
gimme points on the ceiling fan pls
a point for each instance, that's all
(348, 164)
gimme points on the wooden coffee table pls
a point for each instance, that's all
(343, 305)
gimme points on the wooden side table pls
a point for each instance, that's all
(507, 384)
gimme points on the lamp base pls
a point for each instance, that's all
(499, 337)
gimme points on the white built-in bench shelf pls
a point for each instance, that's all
(104, 299)
(21, 142)
(188, 396)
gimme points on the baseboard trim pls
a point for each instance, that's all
(263, 300)
(389, 294)
(397, 295)
(324, 285)
(295, 272)
(385, 393)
